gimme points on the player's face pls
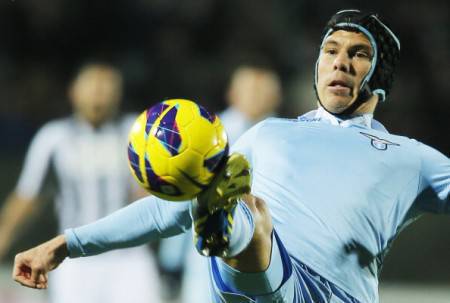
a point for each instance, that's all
(96, 94)
(344, 61)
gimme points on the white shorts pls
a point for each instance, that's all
(127, 275)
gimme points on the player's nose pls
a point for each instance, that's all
(341, 62)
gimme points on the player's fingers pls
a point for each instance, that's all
(42, 281)
(22, 274)
(16, 270)
(41, 285)
(25, 282)
(21, 270)
(36, 276)
(43, 278)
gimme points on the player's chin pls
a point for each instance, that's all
(338, 103)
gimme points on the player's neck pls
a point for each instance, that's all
(367, 107)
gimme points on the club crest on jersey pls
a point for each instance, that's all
(379, 143)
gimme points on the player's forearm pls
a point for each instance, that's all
(12, 217)
(141, 222)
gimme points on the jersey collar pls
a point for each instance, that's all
(361, 120)
(365, 120)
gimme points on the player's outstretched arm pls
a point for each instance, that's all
(31, 267)
(141, 222)
(14, 215)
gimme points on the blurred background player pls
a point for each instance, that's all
(86, 153)
(253, 94)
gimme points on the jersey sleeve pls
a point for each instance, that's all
(434, 185)
(37, 161)
(143, 221)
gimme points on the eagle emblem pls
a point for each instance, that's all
(379, 143)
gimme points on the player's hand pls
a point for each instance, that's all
(31, 267)
(231, 183)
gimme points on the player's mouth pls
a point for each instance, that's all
(340, 87)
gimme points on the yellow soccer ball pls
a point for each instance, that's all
(175, 148)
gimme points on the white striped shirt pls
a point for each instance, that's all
(89, 164)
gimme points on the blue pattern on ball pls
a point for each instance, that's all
(152, 114)
(133, 157)
(213, 163)
(168, 132)
(205, 114)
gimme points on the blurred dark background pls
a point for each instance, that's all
(187, 49)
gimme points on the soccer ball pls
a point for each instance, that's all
(175, 148)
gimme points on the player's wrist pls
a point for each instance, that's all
(57, 250)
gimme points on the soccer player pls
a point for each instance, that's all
(329, 191)
(86, 154)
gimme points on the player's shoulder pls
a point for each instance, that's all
(428, 156)
(275, 121)
(271, 127)
(401, 139)
(424, 150)
(56, 127)
(412, 145)
(270, 124)
(52, 133)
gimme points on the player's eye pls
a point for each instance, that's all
(330, 51)
(362, 54)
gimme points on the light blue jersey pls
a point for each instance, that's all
(338, 192)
